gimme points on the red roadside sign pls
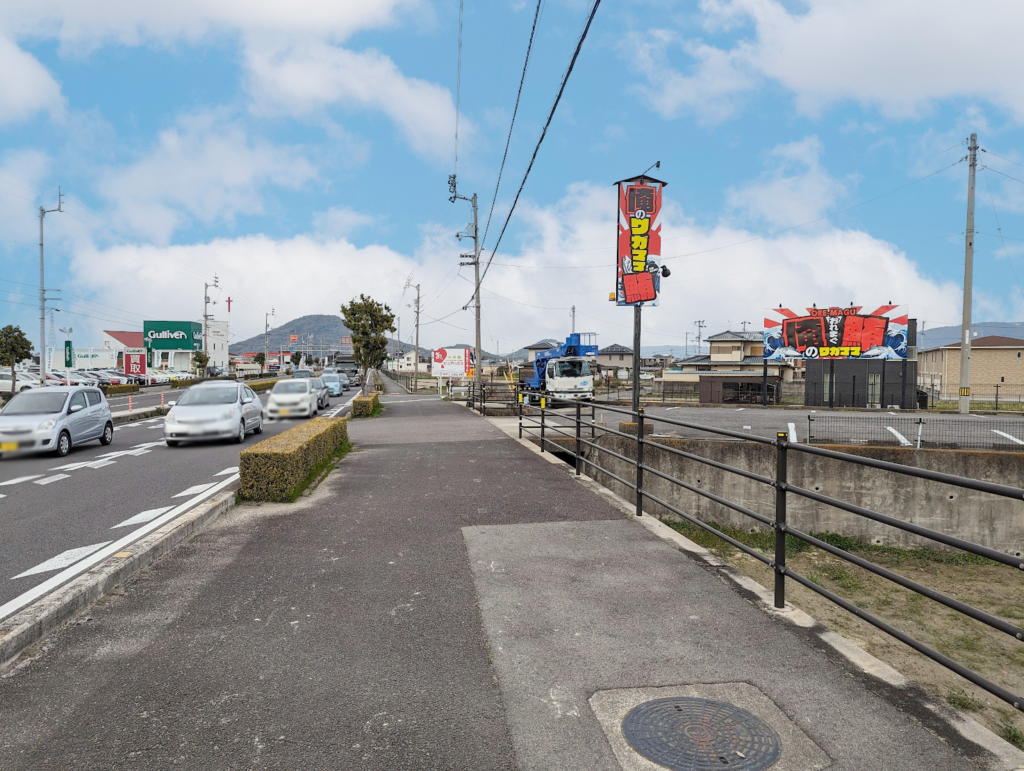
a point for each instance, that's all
(135, 361)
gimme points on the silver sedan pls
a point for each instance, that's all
(213, 410)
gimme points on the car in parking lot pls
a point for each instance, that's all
(213, 410)
(22, 383)
(292, 399)
(55, 419)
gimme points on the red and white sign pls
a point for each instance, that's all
(293, 338)
(135, 361)
(452, 362)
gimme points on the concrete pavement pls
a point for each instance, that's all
(445, 599)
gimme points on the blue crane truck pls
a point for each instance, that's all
(566, 371)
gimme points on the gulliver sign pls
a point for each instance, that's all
(173, 335)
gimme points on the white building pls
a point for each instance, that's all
(407, 362)
(217, 342)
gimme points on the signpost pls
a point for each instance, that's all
(135, 362)
(69, 355)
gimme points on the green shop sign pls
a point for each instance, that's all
(173, 335)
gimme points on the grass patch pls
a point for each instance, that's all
(1012, 734)
(962, 701)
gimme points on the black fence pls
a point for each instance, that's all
(493, 398)
(968, 433)
(998, 397)
(560, 426)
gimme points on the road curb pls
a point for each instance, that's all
(120, 418)
(43, 617)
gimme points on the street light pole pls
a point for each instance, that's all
(965, 330)
(42, 293)
(416, 353)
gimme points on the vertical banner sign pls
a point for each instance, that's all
(135, 361)
(637, 281)
(69, 354)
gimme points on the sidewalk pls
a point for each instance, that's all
(446, 599)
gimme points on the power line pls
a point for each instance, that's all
(1000, 229)
(997, 155)
(543, 133)
(515, 111)
(1004, 175)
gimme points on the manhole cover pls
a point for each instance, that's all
(689, 734)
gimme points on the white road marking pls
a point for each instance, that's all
(892, 413)
(2, 495)
(903, 440)
(740, 409)
(101, 463)
(121, 454)
(156, 427)
(1011, 438)
(669, 409)
(48, 480)
(19, 480)
(19, 602)
(72, 466)
(142, 517)
(792, 434)
(195, 490)
(62, 560)
(144, 445)
(232, 470)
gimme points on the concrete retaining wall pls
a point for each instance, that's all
(985, 519)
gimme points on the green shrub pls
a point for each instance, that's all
(263, 385)
(113, 390)
(279, 468)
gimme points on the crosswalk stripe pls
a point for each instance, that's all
(48, 480)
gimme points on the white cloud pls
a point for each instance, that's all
(301, 79)
(898, 57)
(339, 221)
(203, 169)
(294, 65)
(21, 175)
(82, 26)
(26, 87)
(797, 190)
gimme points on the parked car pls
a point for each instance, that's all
(292, 398)
(213, 410)
(335, 384)
(22, 382)
(55, 419)
(323, 393)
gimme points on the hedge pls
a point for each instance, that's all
(279, 468)
(113, 390)
(365, 406)
(263, 385)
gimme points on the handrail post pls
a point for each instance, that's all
(543, 405)
(483, 398)
(781, 444)
(579, 428)
(519, 394)
(639, 461)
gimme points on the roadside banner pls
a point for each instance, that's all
(836, 332)
(637, 273)
(135, 361)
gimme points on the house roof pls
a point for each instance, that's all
(705, 359)
(991, 341)
(730, 335)
(127, 339)
(541, 345)
(614, 348)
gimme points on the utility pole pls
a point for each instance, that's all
(686, 341)
(574, 319)
(965, 329)
(473, 231)
(266, 341)
(416, 353)
(700, 326)
(206, 316)
(42, 293)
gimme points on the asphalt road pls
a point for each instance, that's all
(50, 506)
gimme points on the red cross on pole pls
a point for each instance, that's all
(229, 305)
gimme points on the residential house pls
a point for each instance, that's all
(997, 365)
(732, 371)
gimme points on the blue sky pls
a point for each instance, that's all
(301, 152)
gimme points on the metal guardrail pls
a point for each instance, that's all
(566, 419)
(1003, 434)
